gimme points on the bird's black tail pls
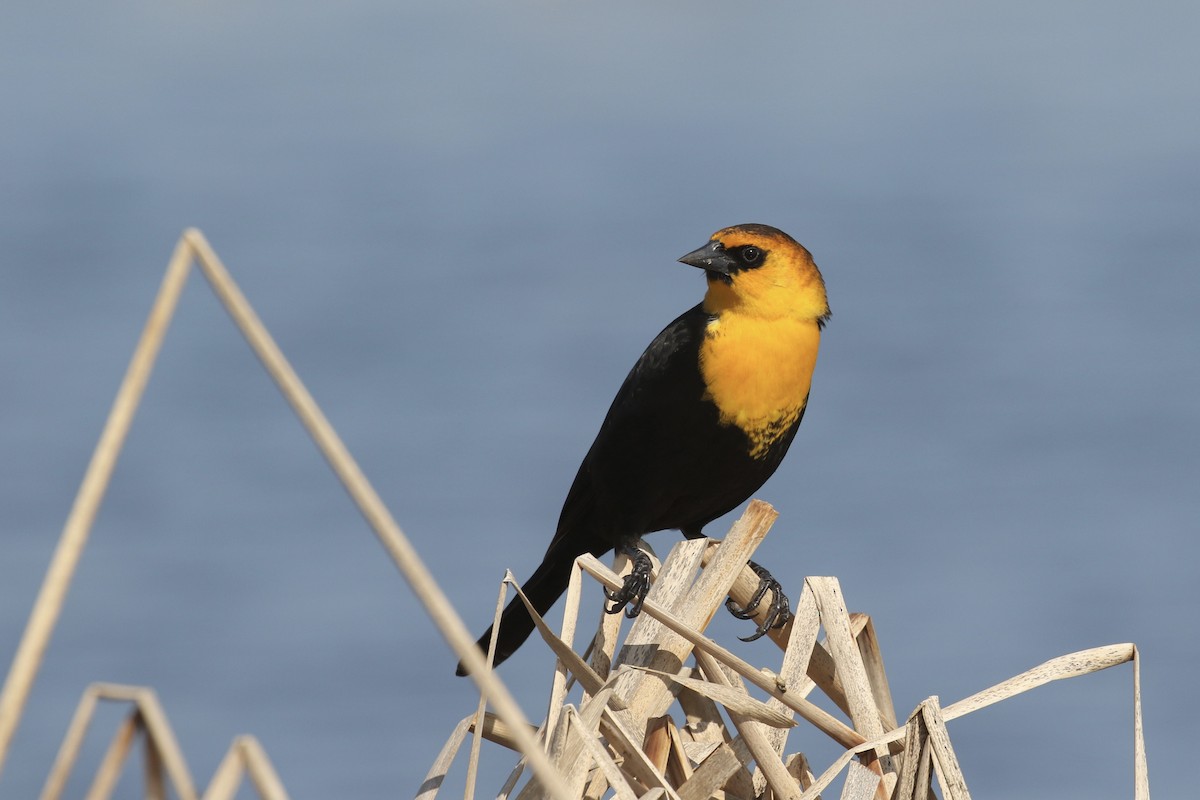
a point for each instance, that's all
(546, 585)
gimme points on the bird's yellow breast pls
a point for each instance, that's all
(758, 373)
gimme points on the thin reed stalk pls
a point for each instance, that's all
(405, 556)
(48, 606)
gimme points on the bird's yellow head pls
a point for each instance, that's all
(760, 271)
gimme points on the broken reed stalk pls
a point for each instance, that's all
(147, 717)
(481, 709)
(50, 599)
(405, 556)
(823, 720)
(618, 743)
(245, 756)
(192, 246)
(164, 766)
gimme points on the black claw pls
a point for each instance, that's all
(779, 612)
(637, 583)
(783, 610)
(765, 582)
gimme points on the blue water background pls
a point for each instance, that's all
(460, 221)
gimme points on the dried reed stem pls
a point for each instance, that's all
(50, 599)
(782, 784)
(652, 757)
(148, 718)
(105, 780)
(437, 773)
(823, 720)
(1071, 665)
(259, 767)
(481, 709)
(373, 509)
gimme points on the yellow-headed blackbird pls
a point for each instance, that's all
(703, 419)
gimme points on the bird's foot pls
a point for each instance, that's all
(637, 584)
(779, 613)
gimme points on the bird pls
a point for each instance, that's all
(702, 420)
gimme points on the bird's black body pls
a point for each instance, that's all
(662, 460)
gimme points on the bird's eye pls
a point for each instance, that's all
(751, 254)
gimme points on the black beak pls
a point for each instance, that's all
(712, 258)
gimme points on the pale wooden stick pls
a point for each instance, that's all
(511, 781)
(261, 770)
(844, 648)
(1141, 773)
(228, 778)
(555, 751)
(588, 720)
(679, 768)
(247, 756)
(498, 731)
(820, 666)
(68, 751)
(373, 509)
(715, 770)
(914, 740)
(561, 682)
(778, 778)
(1071, 665)
(577, 760)
(797, 766)
(850, 753)
(597, 786)
(923, 789)
(608, 631)
(806, 623)
(153, 722)
(159, 730)
(481, 709)
(611, 771)
(570, 744)
(109, 771)
(834, 769)
(950, 775)
(648, 643)
(861, 783)
(704, 723)
(733, 699)
(50, 599)
(763, 679)
(156, 787)
(570, 660)
(872, 658)
(622, 740)
(860, 696)
(651, 697)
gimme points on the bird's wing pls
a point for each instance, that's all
(655, 430)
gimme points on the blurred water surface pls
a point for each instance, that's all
(460, 221)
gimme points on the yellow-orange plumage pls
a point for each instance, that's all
(758, 373)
